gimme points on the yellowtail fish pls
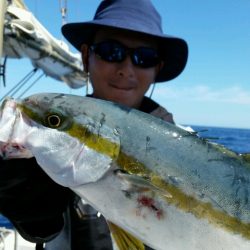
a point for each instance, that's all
(153, 181)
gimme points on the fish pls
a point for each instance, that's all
(154, 182)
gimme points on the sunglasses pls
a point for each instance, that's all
(113, 51)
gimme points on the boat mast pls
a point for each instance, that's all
(3, 6)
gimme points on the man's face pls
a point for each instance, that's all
(121, 82)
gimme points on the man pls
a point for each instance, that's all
(124, 51)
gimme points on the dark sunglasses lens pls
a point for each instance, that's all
(111, 52)
(145, 57)
(115, 52)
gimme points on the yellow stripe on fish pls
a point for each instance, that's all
(183, 201)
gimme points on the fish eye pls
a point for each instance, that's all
(53, 120)
(57, 120)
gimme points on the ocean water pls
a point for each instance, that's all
(235, 139)
(5, 222)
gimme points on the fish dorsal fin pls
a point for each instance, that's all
(123, 239)
(246, 157)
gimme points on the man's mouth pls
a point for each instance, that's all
(125, 88)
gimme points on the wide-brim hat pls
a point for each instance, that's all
(138, 16)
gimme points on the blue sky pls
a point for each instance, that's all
(214, 88)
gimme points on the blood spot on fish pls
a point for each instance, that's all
(11, 150)
(148, 202)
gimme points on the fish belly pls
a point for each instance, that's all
(158, 224)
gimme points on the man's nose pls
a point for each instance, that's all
(126, 67)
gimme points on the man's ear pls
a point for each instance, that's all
(85, 57)
(158, 67)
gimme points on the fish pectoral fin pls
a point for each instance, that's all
(123, 239)
(134, 183)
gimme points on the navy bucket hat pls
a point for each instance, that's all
(138, 16)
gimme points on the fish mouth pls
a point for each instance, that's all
(8, 115)
(11, 121)
(7, 124)
(7, 103)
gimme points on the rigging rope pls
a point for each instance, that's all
(63, 9)
(31, 85)
(19, 85)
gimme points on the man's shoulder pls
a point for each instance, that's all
(151, 107)
(148, 105)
